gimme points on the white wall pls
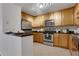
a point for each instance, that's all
(0, 27)
(11, 17)
(0, 17)
(0, 20)
(10, 20)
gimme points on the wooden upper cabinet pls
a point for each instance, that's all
(57, 18)
(76, 15)
(67, 16)
(39, 21)
(27, 17)
(51, 16)
(46, 16)
(23, 15)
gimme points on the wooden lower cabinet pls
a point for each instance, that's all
(71, 43)
(61, 40)
(38, 37)
(56, 40)
(67, 41)
(64, 40)
(73, 46)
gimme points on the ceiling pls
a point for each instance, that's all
(35, 9)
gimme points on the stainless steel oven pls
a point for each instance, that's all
(26, 25)
(48, 39)
(48, 32)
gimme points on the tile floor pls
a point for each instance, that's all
(44, 50)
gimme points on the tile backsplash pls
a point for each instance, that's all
(70, 28)
(75, 29)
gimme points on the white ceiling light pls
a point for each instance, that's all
(41, 6)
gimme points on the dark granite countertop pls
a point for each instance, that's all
(44, 32)
(51, 32)
(38, 31)
(22, 34)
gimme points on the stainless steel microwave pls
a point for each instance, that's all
(49, 22)
(26, 25)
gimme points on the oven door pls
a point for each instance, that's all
(48, 37)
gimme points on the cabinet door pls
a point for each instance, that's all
(57, 18)
(38, 37)
(39, 21)
(47, 16)
(67, 16)
(51, 16)
(74, 47)
(63, 42)
(76, 15)
(56, 40)
(35, 37)
(70, 43)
